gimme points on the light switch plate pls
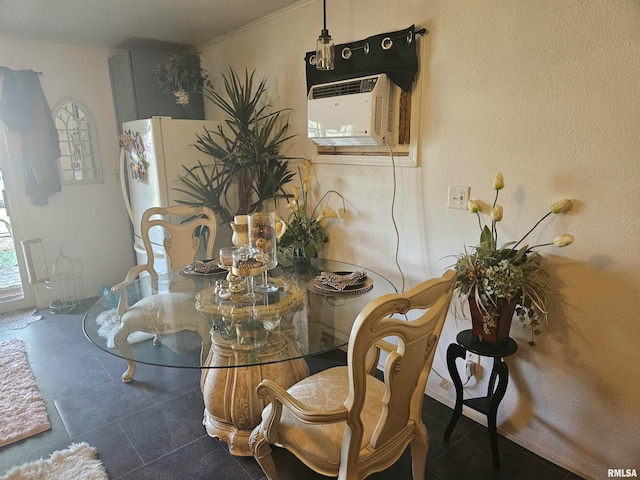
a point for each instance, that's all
(458, 196)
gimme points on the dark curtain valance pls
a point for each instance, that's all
(399, 61)
(24, 109)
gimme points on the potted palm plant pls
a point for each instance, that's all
(248, 166)
(500, 280)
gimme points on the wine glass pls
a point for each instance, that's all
(262, 235)
(247, 262)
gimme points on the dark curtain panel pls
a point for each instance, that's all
(24, 109)
(399, 61)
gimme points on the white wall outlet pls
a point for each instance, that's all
(470, 369)
(472, 357)
(446, 384)
(458, 196)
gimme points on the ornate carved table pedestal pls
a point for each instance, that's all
(232, 409)
(236, 365)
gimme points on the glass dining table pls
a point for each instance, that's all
(186, 319)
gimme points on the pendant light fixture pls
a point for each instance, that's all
(324, 45)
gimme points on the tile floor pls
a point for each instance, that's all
(152, 427)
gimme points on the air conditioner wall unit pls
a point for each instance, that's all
(359, 111)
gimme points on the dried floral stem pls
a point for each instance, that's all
(532, 229)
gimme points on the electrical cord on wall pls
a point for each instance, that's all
(393, 218)
(395, 227)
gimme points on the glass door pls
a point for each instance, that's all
(15, 291)
(10, 284)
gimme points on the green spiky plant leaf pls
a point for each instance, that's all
(245, 150)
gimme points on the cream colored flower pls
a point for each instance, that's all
(182, 97)
(328, 212)
(293, 205)
(496, 213)
(563, 240)
(296, 192)
(305, 182)
(281, 228)
(563, 206)
(473, 206)
(498, 182)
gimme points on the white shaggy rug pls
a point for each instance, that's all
(19, 319)
(110, 323)
(77, 462)
(22, 411)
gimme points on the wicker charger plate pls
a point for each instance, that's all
(316, 286)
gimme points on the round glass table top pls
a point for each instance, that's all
(181, 318)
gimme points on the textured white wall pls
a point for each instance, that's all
(546, 92)
(88, 221)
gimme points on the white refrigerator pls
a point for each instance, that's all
(149, 168)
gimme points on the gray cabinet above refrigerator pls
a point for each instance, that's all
(136, 94)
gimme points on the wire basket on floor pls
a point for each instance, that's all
(66, 291)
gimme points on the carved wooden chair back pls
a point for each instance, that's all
(181, 225)
(370, 421)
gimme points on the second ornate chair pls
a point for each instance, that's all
(166, 312)
(343, 422)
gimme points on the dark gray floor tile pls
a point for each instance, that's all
(114, 365)
(437, 444)
(203, 458)
(37, 336)
(114, 449)
(296, 470)
(89, 408)
(471, 458)
(281, 458)
(64, 344)
(58, 374)
(163, 383)
(165, 427)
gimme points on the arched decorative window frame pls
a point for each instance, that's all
(77, 168)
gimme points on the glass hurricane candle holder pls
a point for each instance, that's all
(247, 262)
(262, 236)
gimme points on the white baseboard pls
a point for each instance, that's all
(482, 420)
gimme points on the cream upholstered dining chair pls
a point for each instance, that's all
(182, 232)
(344, 422)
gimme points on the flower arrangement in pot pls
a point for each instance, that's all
(305, 233)
(498, 281)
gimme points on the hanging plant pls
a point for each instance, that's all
(182, 75)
